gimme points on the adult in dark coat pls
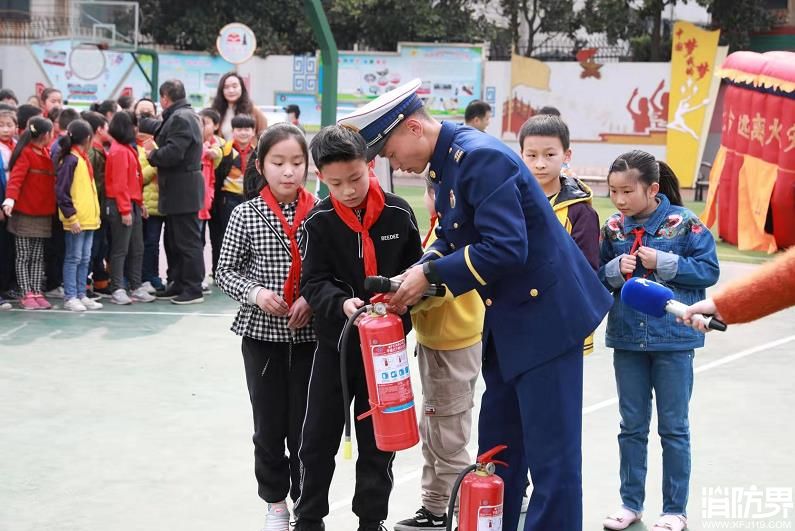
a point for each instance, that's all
(179, 176)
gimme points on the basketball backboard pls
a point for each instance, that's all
(108, 24)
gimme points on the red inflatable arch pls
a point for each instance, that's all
(752, 183)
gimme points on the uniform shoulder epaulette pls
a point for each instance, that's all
(457, 153)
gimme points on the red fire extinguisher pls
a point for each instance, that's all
(386, 367)
(481, 495)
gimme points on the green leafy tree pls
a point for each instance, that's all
(281, 26)
(642, 24)
(543, 20)
(738, 20)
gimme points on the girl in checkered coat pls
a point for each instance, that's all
(29, 205)
(260, 267)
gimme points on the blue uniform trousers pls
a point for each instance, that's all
(538, 415)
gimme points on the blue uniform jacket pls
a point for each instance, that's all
(686, 262)
(498, 234)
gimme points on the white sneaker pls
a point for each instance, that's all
(150, 289)
(91, 304)
(141, 295)
(120, 297)
(74, 305)
(278, 517)
(56, 293)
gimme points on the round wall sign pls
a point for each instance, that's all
(236, 43)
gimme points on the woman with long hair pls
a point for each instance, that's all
(231, 99)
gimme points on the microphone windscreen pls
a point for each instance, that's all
(646, 296)
(377, 284)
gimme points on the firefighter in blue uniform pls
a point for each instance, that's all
(498, 234)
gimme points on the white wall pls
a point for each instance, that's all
(20, 71)
(267, 76)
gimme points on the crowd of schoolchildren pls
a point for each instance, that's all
(80, 218)
(296, 264)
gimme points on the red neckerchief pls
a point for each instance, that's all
(84, 155)
(244, 153)
(96, 144)
(638, 232)
(10, 143)
(305, 203)
(373, 205)
(430, 231)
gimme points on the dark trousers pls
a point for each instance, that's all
(100, 253)
(186, 263)
(223, 205)
(153, 228)
(126, 249)
(277, 375)
(54, 252)
(321, 437)
(538, 415)
(7, 257)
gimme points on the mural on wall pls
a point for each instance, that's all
(199, 72)
(451, 78)
(627, 103)
(85, 74)
(82, 74)
(451, 75)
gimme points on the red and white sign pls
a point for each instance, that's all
(236, 43)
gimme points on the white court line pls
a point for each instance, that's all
(99, 313)
(341, 504)
(9, 333)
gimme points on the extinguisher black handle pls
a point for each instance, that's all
(454, 495)
(346, 395)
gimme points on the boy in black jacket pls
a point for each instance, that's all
(355, 232)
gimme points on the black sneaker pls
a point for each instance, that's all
(92, 295)
(169, 293)
(183, 298)
(308, 525)
(423, 520)
(372, 526)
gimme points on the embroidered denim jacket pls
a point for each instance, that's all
(687, 263)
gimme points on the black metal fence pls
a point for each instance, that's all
(565, 49)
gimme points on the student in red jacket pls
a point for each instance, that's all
(30, 205)
(125, 211)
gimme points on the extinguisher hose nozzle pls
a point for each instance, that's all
(347, 449)
(454, 495)
(346, 395)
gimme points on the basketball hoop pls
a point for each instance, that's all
(87, 60)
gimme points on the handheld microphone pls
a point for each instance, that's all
(387, 285)
(654, 299)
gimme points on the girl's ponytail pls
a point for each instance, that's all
(77, 133)
(36, 128)
(64, 147)
(669, 184)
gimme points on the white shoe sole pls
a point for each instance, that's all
(192, 301)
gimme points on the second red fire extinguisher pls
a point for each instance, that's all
(481, 489)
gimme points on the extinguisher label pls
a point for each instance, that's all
(490, 518)
(392, 374)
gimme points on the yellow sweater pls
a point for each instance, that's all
(83, 194)
(448, 323)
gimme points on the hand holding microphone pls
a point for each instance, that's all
(654, 299)
(705, 307)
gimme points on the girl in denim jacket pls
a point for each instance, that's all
(653, 236)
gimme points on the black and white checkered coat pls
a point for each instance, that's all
(256, 252)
